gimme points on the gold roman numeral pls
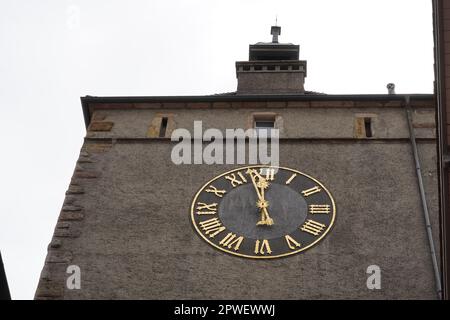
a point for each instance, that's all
(212, 227)
(291, 178)
(262, 247)
(268, 172)
(231, 240)
(319, 208)
(204, 208)
(313, 227)
(292, 244)
(235, 181)
(308, 192)
(217, 192)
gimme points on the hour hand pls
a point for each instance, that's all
(262, 203)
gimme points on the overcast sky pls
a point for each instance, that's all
(54, 51)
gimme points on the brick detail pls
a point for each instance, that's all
(330, 104)
(222, 105)
(97, 147)
(71, 216)
(74, 189)
(198, 105)
(359, 129)
(53, 277)
(84, 174)
(153, 130)
(52, 281)
(58, 256)
(101, 126)
(298, 104)
(49, 290)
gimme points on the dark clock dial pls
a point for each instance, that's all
(263, 212)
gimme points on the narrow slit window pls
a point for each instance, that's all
(368, 127)
(163, 128)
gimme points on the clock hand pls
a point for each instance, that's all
(262, 203)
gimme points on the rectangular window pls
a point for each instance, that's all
(368, 127)
(364, 125)
(265, 124)
(163, 128)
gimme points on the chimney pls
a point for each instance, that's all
(275, 31)
(391, 88)
(273, 68)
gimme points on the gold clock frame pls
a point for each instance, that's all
(205, 238)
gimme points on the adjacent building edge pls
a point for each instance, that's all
(4, 289)
(441, 18)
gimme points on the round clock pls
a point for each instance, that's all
(263, 212)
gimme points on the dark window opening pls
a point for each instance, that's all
(162, 130)
(264, 125)
(271, 68)
(258, 68)
(246, 68)
(368, 127)
(295, 67)
(284, 68)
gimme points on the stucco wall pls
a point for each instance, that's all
(133, 237)
(321, 122)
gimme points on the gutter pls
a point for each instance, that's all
(437, 274)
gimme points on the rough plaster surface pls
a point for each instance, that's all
(305, 123)
(136, 239)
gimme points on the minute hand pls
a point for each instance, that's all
(262, 204)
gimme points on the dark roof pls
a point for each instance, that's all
(233, 93)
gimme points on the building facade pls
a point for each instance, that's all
(127, 221)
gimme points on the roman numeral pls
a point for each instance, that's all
(291, 178)
(313, 227)
(292, 244)
(231, 240)
(308, 192)
(204, 208)
(319, 208)
(217, 192)
(268, 172)
(212, 227)
(235, 181)
(262, 247)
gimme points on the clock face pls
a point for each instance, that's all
(263, 212)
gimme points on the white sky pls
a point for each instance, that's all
(54, 51)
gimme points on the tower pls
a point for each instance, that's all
(136, 223)
(273, 68)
